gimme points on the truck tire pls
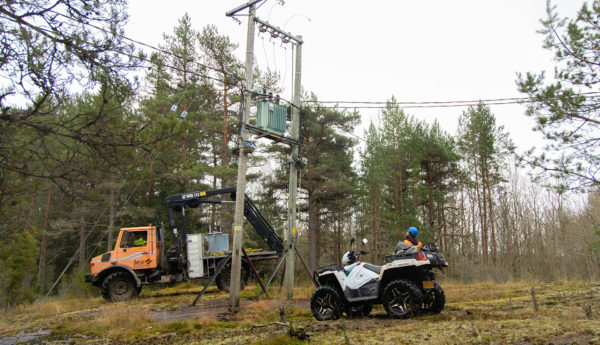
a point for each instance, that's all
(119, 286)
(224, 278)
(434, 299)
(402, 299)
(326, 304)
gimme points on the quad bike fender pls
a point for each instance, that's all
(408, 269)
(100, 277)
(333, 278)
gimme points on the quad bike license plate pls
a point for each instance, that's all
(427, 284)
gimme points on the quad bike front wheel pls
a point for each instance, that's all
(402, 299)
(326, 304)
(358, 309)
(434, 299)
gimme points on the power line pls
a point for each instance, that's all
(141, 44)
(432, 104)
(446, 105)
(174, 68)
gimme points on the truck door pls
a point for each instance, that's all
(136, 250)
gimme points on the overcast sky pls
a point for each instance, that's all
(368, 51)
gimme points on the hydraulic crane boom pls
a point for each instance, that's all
(178, 202)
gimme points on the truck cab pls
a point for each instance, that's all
(135, 248)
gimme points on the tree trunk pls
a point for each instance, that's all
(151, 186)
(111, 211)
(41, 276)
(430, 210)
(484, 246)
(401, 180)
(396, 193)
(376, 223)
(492, 220)
(82, 254)
(30, 213)
(313, 233)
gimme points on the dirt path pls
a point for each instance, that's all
(219, 309)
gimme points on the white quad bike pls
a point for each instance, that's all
(405, 285)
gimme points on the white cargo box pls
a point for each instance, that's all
(195, 250)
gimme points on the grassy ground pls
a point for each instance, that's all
(484, 313)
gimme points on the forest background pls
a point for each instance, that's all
(87, 148)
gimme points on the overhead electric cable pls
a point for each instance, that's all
(415, 106)
(516, 99)
(139, 43)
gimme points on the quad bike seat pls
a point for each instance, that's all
(373, 268)
(330, 268)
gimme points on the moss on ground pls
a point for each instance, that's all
(483, 313)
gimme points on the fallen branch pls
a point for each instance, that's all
(296, 332)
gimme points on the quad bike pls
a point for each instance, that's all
(405, 285)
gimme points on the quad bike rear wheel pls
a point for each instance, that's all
(434, 299)
(402, 299)
(326, 304)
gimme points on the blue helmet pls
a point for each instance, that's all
(413, 231)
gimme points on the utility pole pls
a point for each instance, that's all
(238, 220)
(290, 236)
(295, 159)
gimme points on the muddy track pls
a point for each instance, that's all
(217, 309)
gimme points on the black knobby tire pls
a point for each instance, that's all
(402, 299)
(434, 299)
(358, 309)
(224, 279)
(119, 286)
(326, 304)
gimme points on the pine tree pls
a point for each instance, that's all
(565, 109)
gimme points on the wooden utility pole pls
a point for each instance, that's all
(295, 159)
(290, 235)
(238, 220)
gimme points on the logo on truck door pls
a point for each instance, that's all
(142, 262)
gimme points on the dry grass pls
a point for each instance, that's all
(482, 313)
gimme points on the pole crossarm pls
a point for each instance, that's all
(241, 7)
(280, 31)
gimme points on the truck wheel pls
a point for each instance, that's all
(224, 278)
(434, 299)
(119, 286)
(402, 299)
(358, 309)
(326, 304)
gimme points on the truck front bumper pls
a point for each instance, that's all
(89, 278)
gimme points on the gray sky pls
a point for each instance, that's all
(368, 51)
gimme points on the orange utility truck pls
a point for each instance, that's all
(140, 255)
